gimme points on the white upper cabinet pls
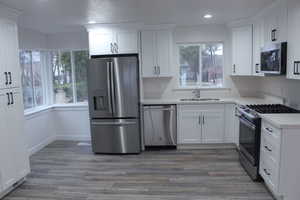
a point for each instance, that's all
(113, 42)
(275, 23)
(9, 62)
(156, 53)
(258, 43)
(293, 65)
(242, 51)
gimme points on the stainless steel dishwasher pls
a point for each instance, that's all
(160, 125)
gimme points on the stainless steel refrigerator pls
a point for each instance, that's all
(113, 85)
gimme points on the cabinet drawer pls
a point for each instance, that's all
(271, 132)
(270, 173)
(270, 148)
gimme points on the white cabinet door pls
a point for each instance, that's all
(242, 51)
(293, 65)
(163, 51)
(101, 43)
(7, 146)
(9, 62)
(148, 54)
(258, 43)
(275, 23)
(156, 53)
(213, 126)
(15, 114)
(189, 127)
(127, 42)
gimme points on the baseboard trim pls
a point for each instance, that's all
(41, 145)
(73, 137)
(207, 146)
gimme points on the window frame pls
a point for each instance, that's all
(73, 74)
(199, 84)
(44, 75)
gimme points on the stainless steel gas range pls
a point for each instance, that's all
(250, 132)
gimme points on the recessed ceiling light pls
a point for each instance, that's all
(92, 22)
(207, 16)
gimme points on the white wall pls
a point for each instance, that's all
(77, 40)
(30, 39)
(282, 87)
(71, 123)
(166, 88)
(39, 130)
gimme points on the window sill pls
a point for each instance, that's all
(30, 112)
(201, 88)
(73, 106)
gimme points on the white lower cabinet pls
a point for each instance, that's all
(279, 166)
(201, 124)
(14, 156)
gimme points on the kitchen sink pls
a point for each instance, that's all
(200, 99)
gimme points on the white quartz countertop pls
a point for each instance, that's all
(235, 100)
(283, 121)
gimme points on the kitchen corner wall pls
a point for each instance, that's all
(44, 127)
(283, 88)
(166, 88)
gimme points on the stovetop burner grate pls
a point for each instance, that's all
(272, 108)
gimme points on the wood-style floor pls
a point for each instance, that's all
(64, 170)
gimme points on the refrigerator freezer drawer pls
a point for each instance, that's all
(119, 136)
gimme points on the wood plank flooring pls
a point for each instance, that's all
(65, 171)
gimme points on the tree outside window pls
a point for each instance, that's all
(201, 65)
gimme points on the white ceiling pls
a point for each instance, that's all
(50, 16)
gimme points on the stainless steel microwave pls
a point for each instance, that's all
(274, 59)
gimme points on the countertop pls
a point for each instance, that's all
(283, 121)
(234, 100)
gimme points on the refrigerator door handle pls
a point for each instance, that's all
(108, 71)
(113, 123)
(112, 82)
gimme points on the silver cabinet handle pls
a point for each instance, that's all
(155, 71)
(234, 68)
(158, 67)
(266, 172)
(257, 68)
(203, 119)
(6, 78)
(269, 130)
(10, 78)
(111, 48)
(116, 48)
(267, 148)
(296, 68)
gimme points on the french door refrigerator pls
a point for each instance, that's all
(113, 85)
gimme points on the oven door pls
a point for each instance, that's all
(248, 140)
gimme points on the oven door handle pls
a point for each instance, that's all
(248, 124)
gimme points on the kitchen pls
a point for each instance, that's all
(211, 100)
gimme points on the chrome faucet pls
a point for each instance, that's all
(197, 93)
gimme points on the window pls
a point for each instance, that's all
(33, 66)
(201, 65)
(81, 63)
(69, 72)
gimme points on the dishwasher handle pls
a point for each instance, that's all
(160, 108)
